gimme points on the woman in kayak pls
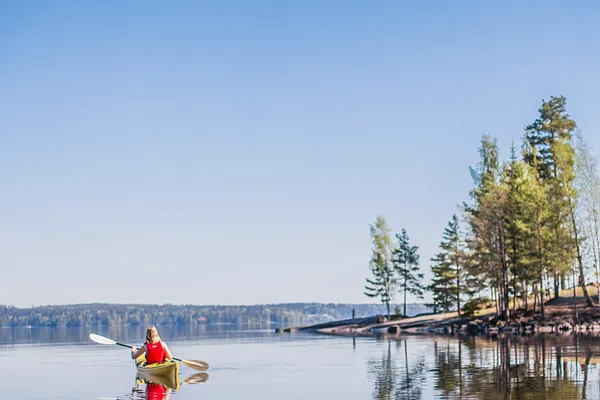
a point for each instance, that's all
(155, 349)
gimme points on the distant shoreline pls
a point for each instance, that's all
(283, 304)
(112, 315)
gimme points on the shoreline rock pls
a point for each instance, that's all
(565, 319)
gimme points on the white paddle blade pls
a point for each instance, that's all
(101, 339)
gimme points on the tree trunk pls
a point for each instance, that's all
(514, 292)
(495, 298)
(588, 299)
(596, 235)
(501, 304)
(540, 262)
(458, 288)
(502, 251)
(514, 265)
(556, 286)
(574, 283)
(405, 295)
(595, 249)
(525, 302)
(535, 297)
(457, 263)
(542, 299)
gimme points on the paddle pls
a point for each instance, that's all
(195, 364)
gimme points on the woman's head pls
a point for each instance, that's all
(152, 334)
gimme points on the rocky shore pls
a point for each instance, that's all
(561, 316)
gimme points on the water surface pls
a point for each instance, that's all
(61, 363)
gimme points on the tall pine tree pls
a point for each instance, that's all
(487, 216)
(443, 284)
(539, 226)
(405, 259)
(550, 136)
(517, 176)
(448, 269)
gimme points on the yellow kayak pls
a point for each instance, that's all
(166, 373)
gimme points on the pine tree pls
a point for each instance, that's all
(539, 225)
(527, 223)
(480, 262)
(554, 157)
(443, 284)
(487, 241)
(487, 169)
(383, 284)
(454, 248)
(405, 259)
(448, 268)
(517, 176)
(490, 226)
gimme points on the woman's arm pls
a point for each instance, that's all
(135, 354)
(168, 354)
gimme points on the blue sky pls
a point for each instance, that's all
(234, 152)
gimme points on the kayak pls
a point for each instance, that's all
(165, 373)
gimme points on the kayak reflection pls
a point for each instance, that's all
(154, 390)
(199, 377)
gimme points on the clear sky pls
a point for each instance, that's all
(235, 152)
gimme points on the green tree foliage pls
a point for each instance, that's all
(448, 269)
(550, 135)
(527, 223)
(482, 217)
(453, 248)
(405, 259)
(515, 176)
(509, 221)
(530, 219)
(383, 283)
(443, 284)
(486, 172)
(491, 225)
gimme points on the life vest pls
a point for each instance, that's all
(155, 352)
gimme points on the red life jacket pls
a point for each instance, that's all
(155, 352)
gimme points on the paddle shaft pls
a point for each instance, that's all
(125, 345)
(195, 364)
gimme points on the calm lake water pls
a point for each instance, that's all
(259, 364)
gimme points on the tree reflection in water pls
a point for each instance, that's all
(397, 377)
(545, 367)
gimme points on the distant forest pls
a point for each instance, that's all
(82, 315)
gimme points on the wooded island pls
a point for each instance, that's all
(527, 236)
